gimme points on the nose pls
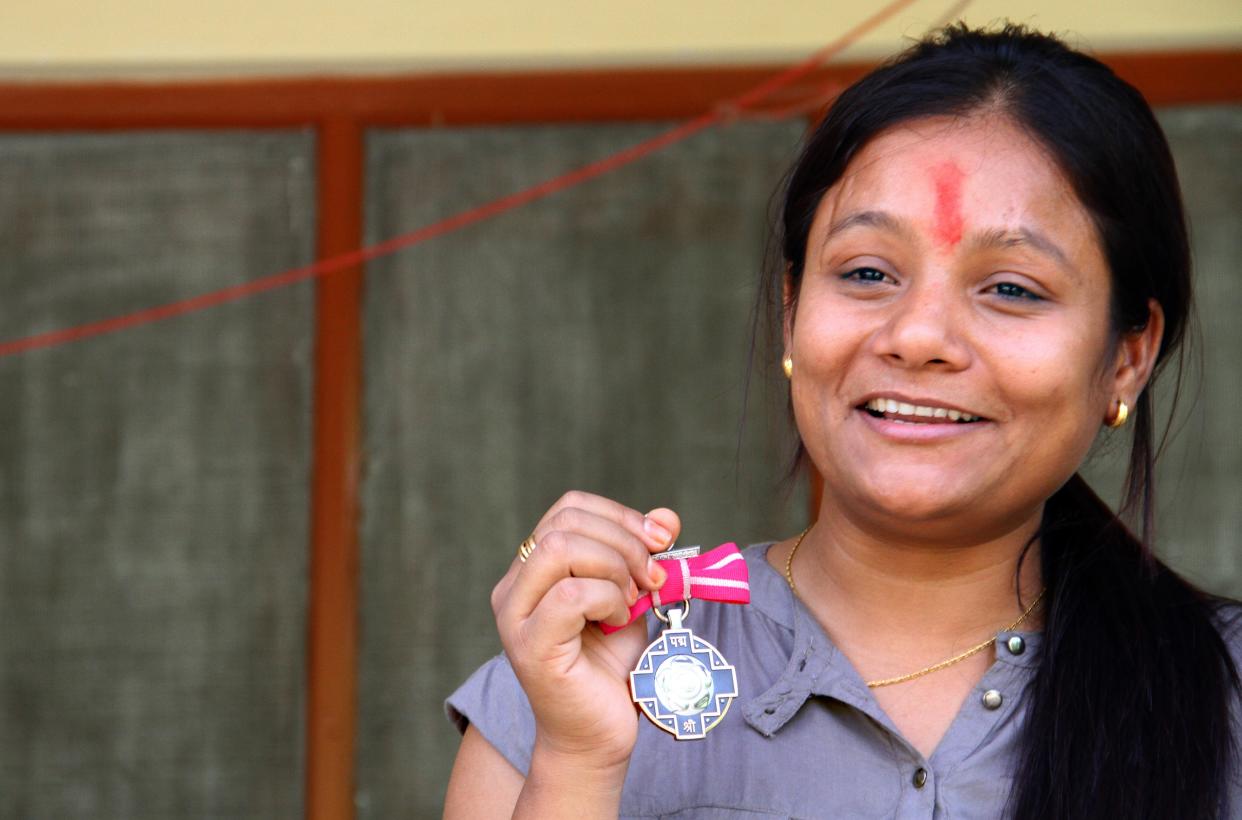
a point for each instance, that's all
(924, 328)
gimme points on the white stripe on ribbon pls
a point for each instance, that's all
(728, 559)
(720, 582)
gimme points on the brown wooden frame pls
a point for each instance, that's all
(340, 110)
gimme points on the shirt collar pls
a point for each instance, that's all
(816, 666)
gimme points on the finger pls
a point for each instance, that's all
(580, 503)
(564, 555)
(578, 521)
(500, 592)
(627, 517)
(664, 524)
(669, 523)
(567, 608)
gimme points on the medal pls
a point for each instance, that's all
(681, 682)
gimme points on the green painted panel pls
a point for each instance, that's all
(153, 483)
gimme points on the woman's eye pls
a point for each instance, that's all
(865, 275)
(1011, 291)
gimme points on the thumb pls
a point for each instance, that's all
(662, 527)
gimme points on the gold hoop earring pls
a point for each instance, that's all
(787, 366)
(1123, 412)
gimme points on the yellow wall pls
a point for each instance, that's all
(41, 38)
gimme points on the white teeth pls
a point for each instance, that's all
(893, 407)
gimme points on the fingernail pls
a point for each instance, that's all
(656, 572)
(633, 593)
(656, 533)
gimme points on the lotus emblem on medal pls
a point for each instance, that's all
(683, 684)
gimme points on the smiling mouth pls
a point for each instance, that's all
(904, 413)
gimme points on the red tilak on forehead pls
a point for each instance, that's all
(947, 178)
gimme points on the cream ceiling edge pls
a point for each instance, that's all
(172, 38)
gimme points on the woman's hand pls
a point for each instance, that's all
(592, 561)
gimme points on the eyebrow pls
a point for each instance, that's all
(995, 238)
(868, 219)
(1017, 237)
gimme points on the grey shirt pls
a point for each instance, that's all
(805, 737)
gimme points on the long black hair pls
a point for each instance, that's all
(1129, 711)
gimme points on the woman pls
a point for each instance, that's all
(985, 262)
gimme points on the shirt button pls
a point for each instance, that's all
(920, 778)
(1016, 645)
(992, 699)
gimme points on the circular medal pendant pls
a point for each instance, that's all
(682, 683)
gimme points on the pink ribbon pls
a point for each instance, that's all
(719, 575)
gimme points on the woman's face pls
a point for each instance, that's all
(953, 272)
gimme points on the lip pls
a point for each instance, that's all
(918, 433)
(925, 401)
(910, 433)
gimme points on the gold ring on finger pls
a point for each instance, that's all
(526, 548)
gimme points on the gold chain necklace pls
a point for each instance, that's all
(936, 667)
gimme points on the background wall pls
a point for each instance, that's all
(162, 37)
